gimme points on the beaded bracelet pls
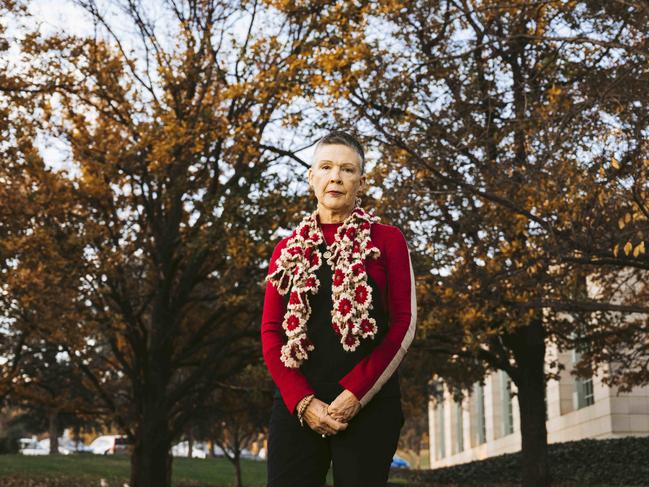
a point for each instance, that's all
(302, 407)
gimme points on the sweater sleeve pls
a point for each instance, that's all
(292, 384)
(374, 370)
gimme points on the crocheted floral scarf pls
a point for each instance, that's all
(352, 296)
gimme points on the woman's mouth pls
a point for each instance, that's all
(335, 193)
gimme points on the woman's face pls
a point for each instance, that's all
(336, 178)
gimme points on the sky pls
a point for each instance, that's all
(52, 16)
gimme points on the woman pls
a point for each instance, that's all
(339, 314)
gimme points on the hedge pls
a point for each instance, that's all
(614, 462)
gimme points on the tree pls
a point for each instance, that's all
(504, 124)
(240, 413)
(50, 387)
(170, 135)
(13, 202)
(40, 253)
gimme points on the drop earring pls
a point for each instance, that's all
(359, 201)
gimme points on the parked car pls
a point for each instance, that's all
(25, 442)
(64, 447)
(218, 451)
(398, 462)
(247, 454)
(29, 446)
(182, 450)
(261, 454)
(111, 445)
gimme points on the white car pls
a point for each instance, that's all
(32, 447)
(218, 451)
(247, 454)
(182, 450)
(109, 445)
(64, 447)
(261, 454)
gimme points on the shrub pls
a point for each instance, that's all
(620, 461)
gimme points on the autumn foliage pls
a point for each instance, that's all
(508, 141)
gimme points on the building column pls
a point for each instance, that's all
(489, 408)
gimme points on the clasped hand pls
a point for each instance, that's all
(329, 419)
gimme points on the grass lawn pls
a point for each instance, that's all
(216, 472)
(88, 470)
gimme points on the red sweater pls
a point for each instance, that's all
(393, 274)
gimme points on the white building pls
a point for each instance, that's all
(487, 422)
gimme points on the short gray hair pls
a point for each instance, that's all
(343, 138)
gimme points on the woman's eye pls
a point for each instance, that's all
(349, 169)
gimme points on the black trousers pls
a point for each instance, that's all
(361, 455)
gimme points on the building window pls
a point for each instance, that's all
(584, 393)
(459, 427)
(584, 390)
(480, 413)
(506, 401)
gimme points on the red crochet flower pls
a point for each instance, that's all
(344, 306)
(360, 294)
(338, 278)
(358, 269)
(294, 298)
(366, 326)
(310, 282)
(292, 322)
(351, 340)
(351, 233)
(295, 250)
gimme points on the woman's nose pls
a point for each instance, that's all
(335, 174)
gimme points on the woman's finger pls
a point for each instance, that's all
(335, 424)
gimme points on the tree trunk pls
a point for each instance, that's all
(151, 458)
(190, 444)
(530, 380)
(237, 468)
(77, 436)
(53, 419)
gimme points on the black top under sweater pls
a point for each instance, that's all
(330, 362)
